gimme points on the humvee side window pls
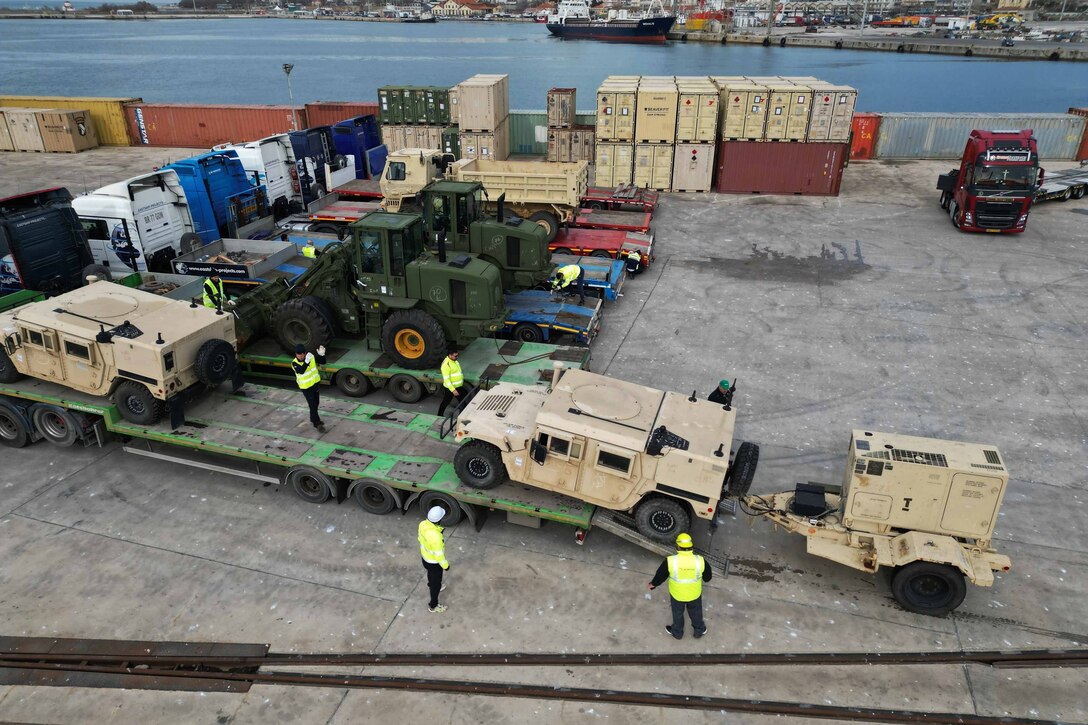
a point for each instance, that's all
(561, 446)
(35, 338)
(614, 462)
(76, 350)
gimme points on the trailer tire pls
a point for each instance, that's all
(137, 404)
(405, 388)
(1078, 193)
(303, 322)
(595, 205)
(738, 480)
(600, 254)
(1066, 195)
(8, 372)
(374, 497)
(923, 587)
(352, 383)
(528, 332)
(563, 250)
(55, 425)
(214, 362)
(661, 518)
(325, 228)
(449, 503)
(339, 162)
(97, 270)
(309, 484)
(317, 191)
(479, 465)
(548, 221)
(14, 432)
(280, 208)
(946, 198)
(414, 339)
(189, 242)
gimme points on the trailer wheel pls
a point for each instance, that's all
(1078, 193)
(352, 383)
(97, 270)
(374, 496)
(8, 372)
(309, 484)
(479, 465)
(137, 404)
(662, 519)
(528, 332)
(449, 503)
(280, 208)
(405, 388)
(923, 587)
(14, 432)
(600, 254)
(1066, 195)
(414, 339)
(301, 321)
(739, 478)
(563, 250)
(325, 228)
(596, 205)
(214, 362)
(946, 197)
(190, 241)
(55, 425)
(548, 221)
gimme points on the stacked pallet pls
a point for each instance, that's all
(50, 130)
(481, 108)
(416, 117)
(567, 140)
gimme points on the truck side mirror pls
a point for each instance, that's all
(12, 343)
(538, 452)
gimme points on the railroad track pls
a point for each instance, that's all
(230, 667)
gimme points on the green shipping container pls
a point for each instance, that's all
(437, 106)
(415, 105)
(390, 105)
(451, 141)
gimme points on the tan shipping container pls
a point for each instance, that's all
(613, 163)
(23, 128)
(823, 109)
(455, 101)
(484, 102)
(787, 112)
(800, 110)
(429, 137)
(755, 118)
(67, 132)
(653, 166)
(845, 99)
(616, 111)
(109, 115)
(393, 137)
(693, 167)
(655, 112)
(744, 111)
(561, 108)
(5, 135)
(567, 136)
(576, 153)
(589, 142)
(487, 145)
(697, 111)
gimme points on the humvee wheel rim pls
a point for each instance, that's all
(409, 343)
(135, 405)
(662, 521)
(8, 428)
(219, 363)
(930, 589)
(309, 485)
(54, 425)
(478, 467)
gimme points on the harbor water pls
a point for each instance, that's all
(232, 61)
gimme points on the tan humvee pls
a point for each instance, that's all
(608, 442)
(925, 508)
(105, 339)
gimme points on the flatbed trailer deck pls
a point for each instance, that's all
(625, 197)
(604, 243)
(360, 189)
(624, 221)
(1064, 185)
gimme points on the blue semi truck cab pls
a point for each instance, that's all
(314, 149)
(355, 137)
(223, 200)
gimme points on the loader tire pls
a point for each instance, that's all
(302, 321)
(414, 339)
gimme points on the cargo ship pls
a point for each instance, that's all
(573, 20)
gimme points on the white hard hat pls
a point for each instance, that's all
(436, 514)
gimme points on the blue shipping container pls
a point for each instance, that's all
(211, 182)
(352, 137)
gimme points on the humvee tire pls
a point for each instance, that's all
(414, 339)
(301, 321)
(923, 587)
(661, 519)
(97, 270)
(479, 465)
(743, 469)
(214, 362)
(137, 404)
(8, 373)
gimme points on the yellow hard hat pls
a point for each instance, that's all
(684, 541)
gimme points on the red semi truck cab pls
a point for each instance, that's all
(993, 187)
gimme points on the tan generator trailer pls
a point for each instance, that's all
(923, 508)
(140, 348)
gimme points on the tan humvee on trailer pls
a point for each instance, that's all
(105, 339)
(663, 456)
(925, 508)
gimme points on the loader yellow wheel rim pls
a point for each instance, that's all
(409, 343)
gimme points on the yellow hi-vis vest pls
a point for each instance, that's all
(309, 252)
(452, 377)
(431, 546)
(310, 376)
(569, 273)
(686, 576)
(211, 288)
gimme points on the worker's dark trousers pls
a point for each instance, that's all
(447, 397)
(313, 397)
(581, 282)
(434, 581)
(695, 611)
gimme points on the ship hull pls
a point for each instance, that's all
(649, 30)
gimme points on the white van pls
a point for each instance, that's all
(270, 162)
(137, 225)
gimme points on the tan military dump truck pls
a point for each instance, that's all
(664, 457)
(923, 508)
(104, 339)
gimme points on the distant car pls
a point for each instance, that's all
(1007, 42)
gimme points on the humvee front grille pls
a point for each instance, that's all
(496, 403)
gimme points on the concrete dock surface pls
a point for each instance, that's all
(867, 310)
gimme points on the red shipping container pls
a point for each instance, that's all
(1082, 150)
(863, 133)
(200, 126)
(754, 167)
(329, 113)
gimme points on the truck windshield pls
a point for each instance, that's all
(1005, 177)
(413, 242)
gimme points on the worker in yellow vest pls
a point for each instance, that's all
(686, 572)
(453, 380)
(632, 259)
(432, 548)
(571, 275)
(309, 250)
(308, 378)
(214, 294)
